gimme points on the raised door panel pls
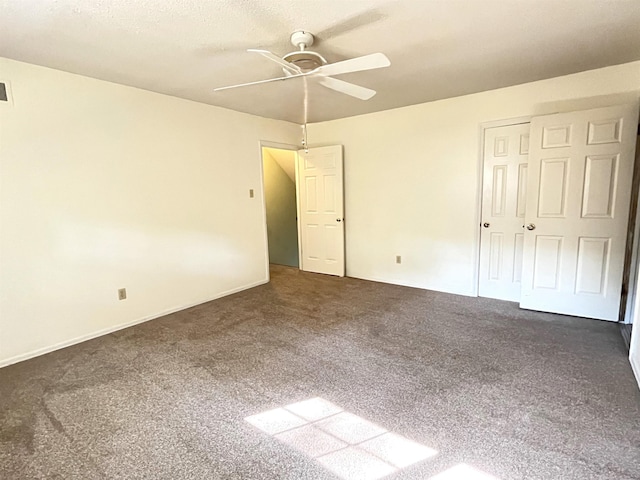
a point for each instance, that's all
(547, 260)
(555, 136)
(599, 186)
(524, 144)
(593, 265)
(521, 204)
(501, 147)
(499, 198)
(496, 254)
(332, 243)
(311, 194)
(552, 187)
(313, 246)
(605, 131)
(517, 258)
(329, 196)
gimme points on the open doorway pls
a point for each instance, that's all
(279, 177)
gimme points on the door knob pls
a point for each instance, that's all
(486, 225)
(531, 226)
(338, 219)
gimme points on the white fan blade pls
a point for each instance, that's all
(269, 80)
(345, 87)
(274, 58)
(368, 62)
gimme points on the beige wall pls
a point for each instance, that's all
(104, 186)
(412, 175)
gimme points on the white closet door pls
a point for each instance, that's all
(580, 170)
(504, 188)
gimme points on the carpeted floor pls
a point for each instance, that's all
(463, 384)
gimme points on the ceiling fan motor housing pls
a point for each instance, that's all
(304, 59)
(301, 39)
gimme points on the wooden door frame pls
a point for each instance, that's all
(480, 185)
(280, 146)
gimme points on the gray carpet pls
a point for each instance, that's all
(511, 393)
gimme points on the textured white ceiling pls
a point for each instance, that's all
(437, 48)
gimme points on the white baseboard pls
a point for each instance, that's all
(106, 331)
(408, 284)
(635, 366)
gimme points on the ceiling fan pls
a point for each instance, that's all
(307, 63)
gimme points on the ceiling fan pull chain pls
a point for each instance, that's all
(305, 106)
(305, 145)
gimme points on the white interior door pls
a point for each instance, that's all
(503, 206)
(321, 210)
(580, 171)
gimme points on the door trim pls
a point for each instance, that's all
(634, 259)
(281, 146)
(479, 185)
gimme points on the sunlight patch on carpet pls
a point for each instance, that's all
(462, 471)
(347, 445)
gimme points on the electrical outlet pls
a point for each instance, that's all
(251, 193)
(122, 294)
(398, 259)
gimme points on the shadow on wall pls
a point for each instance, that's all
(585, 103)
(280, 202)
